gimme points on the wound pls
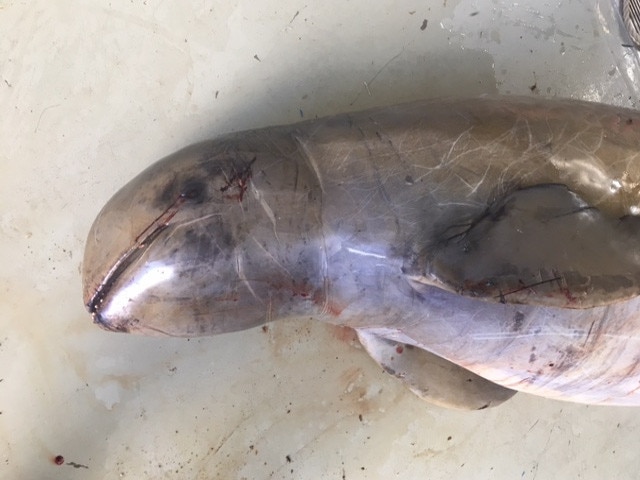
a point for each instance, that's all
(237, 184)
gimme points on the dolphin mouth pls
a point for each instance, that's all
(140, 245)
(106, 325)
(128, 326)
(117, 270)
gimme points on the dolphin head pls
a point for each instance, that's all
(189, 247)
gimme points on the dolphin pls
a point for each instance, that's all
(478, 246)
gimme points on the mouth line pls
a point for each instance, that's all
(97, 319)
(140, 245)
(128, 327)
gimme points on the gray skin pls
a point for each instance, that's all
(498, 233)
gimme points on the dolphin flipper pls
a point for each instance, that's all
(431, 377)
(541, 245)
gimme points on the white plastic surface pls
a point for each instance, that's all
(92, 92)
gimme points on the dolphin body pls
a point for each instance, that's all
(477, 246)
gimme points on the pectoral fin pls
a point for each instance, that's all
(431, 377)
(541, 245)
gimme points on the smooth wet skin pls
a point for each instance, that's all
(499, 234)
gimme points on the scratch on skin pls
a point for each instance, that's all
(242, 276)
(311, 160)
(576, 211)
(326, 303)
(269, 315)
(397, 151)
(273, 259)
(525, 287)
(448, 157)
(267, 209)
(160, 222)
(597, 332)
(588, 333)
(378, 179)
(480, 182)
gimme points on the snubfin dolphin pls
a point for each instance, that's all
(477, 246)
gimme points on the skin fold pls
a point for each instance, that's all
(498, 233)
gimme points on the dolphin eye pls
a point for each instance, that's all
(194, 191)
(191, 189)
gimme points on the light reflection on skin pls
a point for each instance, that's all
(153, 274)
(587, 171)
(365, 254)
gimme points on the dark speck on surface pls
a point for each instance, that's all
(518, 320)
(423, 27)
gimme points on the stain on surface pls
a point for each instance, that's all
(518, 321)
(344, 334)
